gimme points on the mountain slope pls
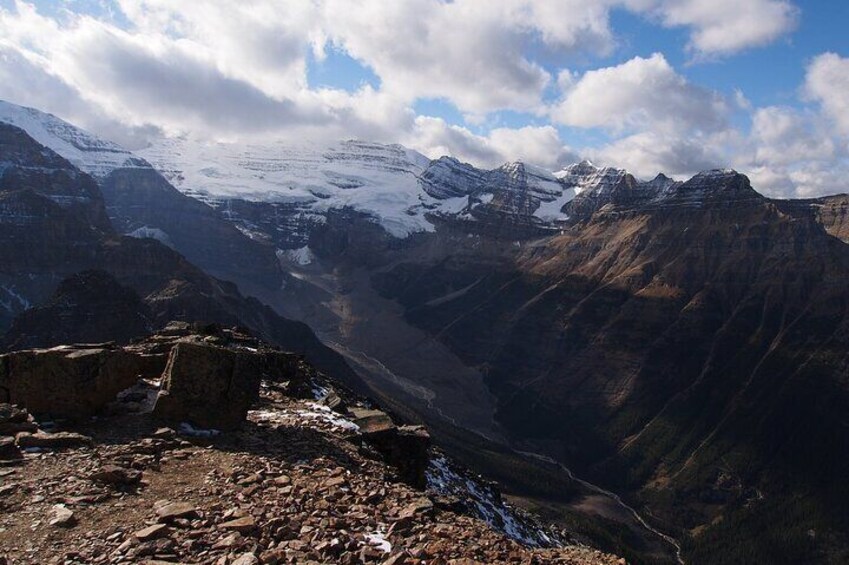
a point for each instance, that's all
(141, 203)
(686, 345)
(95, 156)
(53, 225)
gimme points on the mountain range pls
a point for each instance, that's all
(683, 344)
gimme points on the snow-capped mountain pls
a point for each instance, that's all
(89, 153)
(400, 188)
(379, 180)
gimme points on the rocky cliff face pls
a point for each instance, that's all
(90, 307)
(833, 213)
(53, 225)
(51, 217)
(141, 203)
(673, 343)
(830, 211)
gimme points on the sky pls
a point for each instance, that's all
(672, 86)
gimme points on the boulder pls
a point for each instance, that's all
(246, 559)
(62, 517)
(8, 449)
(405, 447)
(151, 532)
(11, 414)
(73, 382)
(213, 387)
(167, 511)
(373, 423)
(409, 453)
(14, 420)
(242, 525)
(117, 476)
(14, 428)
(334, 402)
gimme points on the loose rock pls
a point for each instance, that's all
(62, 517)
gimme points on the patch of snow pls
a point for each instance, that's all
(302, 256)
(551, 211)
(379, 180)
(313, 413)
(443, 479)
(152, 233)
(378, 541)
(318, 391)
(486, 197)
(321, 412)
(187, 429)
(453, 205)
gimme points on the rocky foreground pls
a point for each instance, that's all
(300, 480)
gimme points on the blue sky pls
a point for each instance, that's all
(648, 85)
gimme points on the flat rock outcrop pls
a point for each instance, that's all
(210, 376)
(71, 381)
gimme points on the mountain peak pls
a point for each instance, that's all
(84, 150)
(717, 180)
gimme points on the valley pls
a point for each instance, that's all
(655, 365)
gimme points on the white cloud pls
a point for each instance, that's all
(467, 51)
(260, 42)
(827, 82)
(239, 70)
(638, 94)
(802, 152)
(648, 153)
(724, 27)
(537, 145)
(659, 120)
(793, 153)
(782, 134)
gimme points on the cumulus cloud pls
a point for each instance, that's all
(802, 152)
(28, 84)
(786, 134)
(233, 71)
(539, 145)
(827, 82)
(660, 121)
(640, 93)
(171, 85)
(648, 153)
(793, 153)
(723, 27)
